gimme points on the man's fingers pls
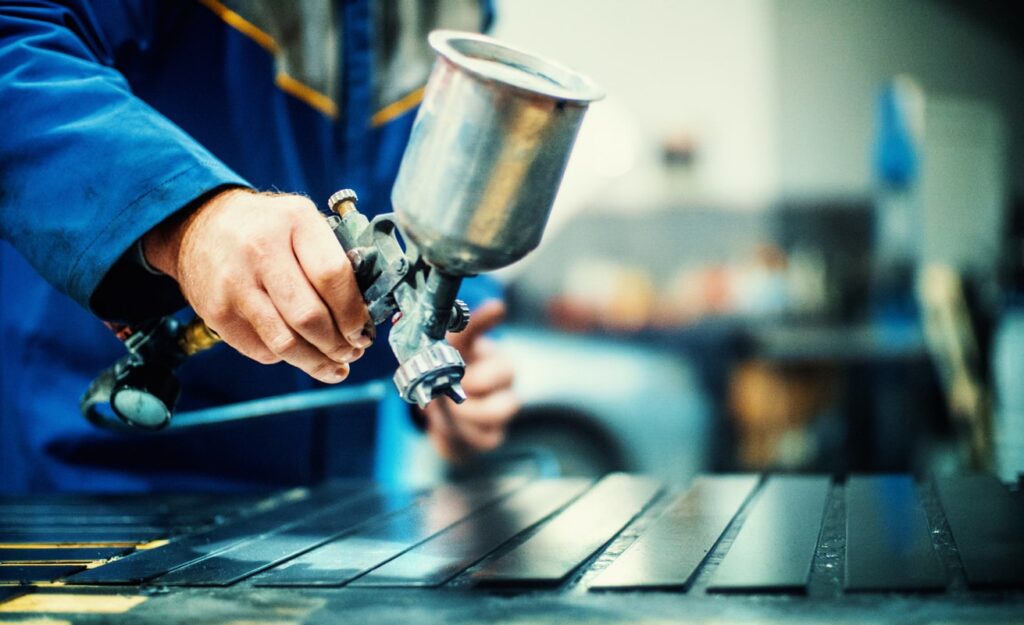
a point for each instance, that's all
(487, 375)
(329, 272)
(484, 318)
(493, 410)
(285, 343)
(454, 437)
(245, 341)
(303, 310)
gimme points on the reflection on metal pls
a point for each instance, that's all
(145, 565)
(775, 546)
(888, 542)
(986, 520)
(24, 573)
(669, 552)
(344, 559)
(574, 534)
(288, 540)
(446, 555)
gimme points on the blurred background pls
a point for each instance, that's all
(790, 238)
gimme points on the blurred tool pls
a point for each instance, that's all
(474, 191)
(955, 350)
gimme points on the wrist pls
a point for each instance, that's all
(161, 247)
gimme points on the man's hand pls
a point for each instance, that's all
(477, 424)
(267, 274)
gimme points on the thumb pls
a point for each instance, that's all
(484, 318)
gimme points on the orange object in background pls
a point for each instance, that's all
(773, 405)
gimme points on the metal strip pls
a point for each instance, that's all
(342, 560)
(145, 565)
(444, 556)
(265, 550)
(28, 573)
(987, 521)
(73, 554)
(565, 542)
(888, 540)
(669, 552)
(774, 548)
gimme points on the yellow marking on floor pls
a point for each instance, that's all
(46, 562)
(153, 544)
(54, 603)
(78, 545)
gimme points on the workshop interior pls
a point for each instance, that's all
(762, 264)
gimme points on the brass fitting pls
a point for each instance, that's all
(197, 337)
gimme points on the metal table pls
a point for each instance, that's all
(725, 548)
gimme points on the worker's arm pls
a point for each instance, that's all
(87, 169)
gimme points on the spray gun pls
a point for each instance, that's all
(474, 190)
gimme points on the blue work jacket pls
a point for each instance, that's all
(113, 116)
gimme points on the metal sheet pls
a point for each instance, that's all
(265, 550)
(26, 573)
(987, 522)
(669, 552)
(83, 534)
(775, 546)
(888, 540)
(566, 541)
(72, 554)
(344, 559)
(145, 565)
(441, 558)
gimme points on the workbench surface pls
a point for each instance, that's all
(735, 548)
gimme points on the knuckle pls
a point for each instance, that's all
(310, 318)
(283, 343)
(336, 275)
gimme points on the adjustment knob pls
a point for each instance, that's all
(342, 202)
(459, 318)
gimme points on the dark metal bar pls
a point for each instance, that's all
(566, 541)
(145, 565)
(51, 554)
(774, 548)
(28, 573)
(669, 552)
(344, 559)
(888, 540)
(265, 550)
(444, 556)
(987, 521)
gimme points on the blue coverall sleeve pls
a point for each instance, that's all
(86, 167)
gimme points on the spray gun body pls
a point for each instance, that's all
(474, 190)
(397, 284)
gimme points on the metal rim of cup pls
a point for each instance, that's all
(475, 54)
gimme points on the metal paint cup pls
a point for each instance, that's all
(487, 152)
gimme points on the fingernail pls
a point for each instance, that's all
(341, 373)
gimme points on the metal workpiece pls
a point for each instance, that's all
(775, 546)
(487, 152)
(888, 540)
(987, 522)
(669, 553)
(548, 557)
